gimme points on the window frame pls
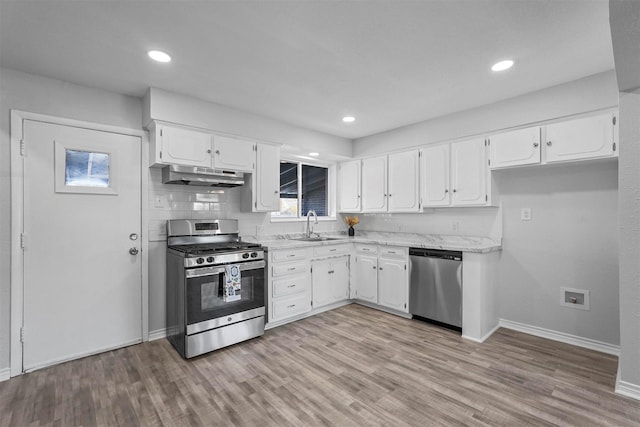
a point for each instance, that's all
(331, 190)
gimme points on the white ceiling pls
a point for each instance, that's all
(308, 63)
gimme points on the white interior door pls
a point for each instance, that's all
(82, 216)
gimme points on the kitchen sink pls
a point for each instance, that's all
(317, 239)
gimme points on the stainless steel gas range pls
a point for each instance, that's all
(215, 286)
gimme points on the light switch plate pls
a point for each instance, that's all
(525, 214)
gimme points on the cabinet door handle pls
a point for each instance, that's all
(374, 267)
(275, 192)
(380, 269)
(548, 143)
(535, 145)
(331, 271)
(455, 191)
(446, 190)
(209, 151)
(218, 152)
(389, 194)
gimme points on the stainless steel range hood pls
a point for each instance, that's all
(190, 175)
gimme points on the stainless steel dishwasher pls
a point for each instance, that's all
(435, 292)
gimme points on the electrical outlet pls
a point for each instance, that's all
(525, 214)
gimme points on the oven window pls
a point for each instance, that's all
(212, 295)
(206, 299)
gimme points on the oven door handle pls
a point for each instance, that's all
(208, 271)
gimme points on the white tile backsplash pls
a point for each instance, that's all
(183, 201)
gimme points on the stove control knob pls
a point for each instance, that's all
(245, 255)
(254, 254)
(199, 260)
(210, 259)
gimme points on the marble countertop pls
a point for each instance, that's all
(476, 244)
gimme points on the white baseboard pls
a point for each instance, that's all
(562, 337)
(626, 389)
(158, 334)
(483, 338)
(5, 374)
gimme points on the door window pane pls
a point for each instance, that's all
(86, 169)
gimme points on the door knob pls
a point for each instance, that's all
(549, 143)
(535, 145)
(133, 251)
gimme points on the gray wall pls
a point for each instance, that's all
(572, 239)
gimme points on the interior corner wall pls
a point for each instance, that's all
(629, 206)
(34, 94)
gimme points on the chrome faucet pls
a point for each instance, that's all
(309, 229)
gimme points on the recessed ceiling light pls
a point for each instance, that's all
(348, 119)
(314, 154)
(159, 56)
(502, 65)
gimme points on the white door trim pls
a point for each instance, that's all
(17, 221)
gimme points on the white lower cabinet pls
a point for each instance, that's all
(393, 278)
(289, 284)
(381, 276)
(366, 278)
(329, 281)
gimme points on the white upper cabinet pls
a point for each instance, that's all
(374, 184)
(585, 138)
(516, 148)
(233, 154)
(349, 199)
(469, 173)
(434, 176)
(182, 146)
(404, 174)
(265, 181)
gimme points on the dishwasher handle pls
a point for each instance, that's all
(436, 253)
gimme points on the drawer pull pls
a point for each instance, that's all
(291, 255)
(366, 249)
(331, 271)
(391, 252)
(291, 286)
(332, 250)
(291, 306)
(292, 269)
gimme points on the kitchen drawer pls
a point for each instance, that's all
(290, 306)
(393, 252)
(367, 249)
(290, 255)
(285, 268)
(291, 285)
(331, 250)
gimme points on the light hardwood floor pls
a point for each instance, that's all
(349, 366)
